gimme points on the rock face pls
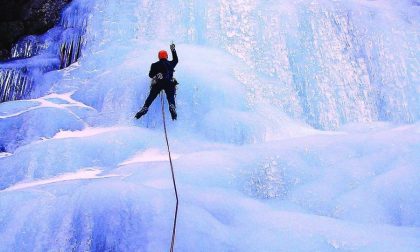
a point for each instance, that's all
(20, 18)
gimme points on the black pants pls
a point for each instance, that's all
(169, 88)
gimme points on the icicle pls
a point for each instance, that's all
(27, 47)
(14, 84)
(70, 51)
(74, 23)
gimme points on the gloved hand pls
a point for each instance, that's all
(172, 47)
(159, 76)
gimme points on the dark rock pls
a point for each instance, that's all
(20, 18)
(10, 9)
(11, 31)
(4, 53)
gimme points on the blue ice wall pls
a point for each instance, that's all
(325, 62)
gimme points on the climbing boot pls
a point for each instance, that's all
(142, 112)
(172, 109)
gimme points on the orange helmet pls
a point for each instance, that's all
(163, 54)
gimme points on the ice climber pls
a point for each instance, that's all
(162, 73)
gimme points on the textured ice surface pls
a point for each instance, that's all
(258, 80)
(347, 192)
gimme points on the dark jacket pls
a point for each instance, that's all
(165, 67)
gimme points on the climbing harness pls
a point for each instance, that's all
(172, 171)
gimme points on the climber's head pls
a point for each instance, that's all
(163, 54)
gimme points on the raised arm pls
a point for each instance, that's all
(174, 56)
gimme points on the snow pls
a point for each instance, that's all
(298, 129)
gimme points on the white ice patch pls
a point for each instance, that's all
(80, 175)
(65, 97)
(88, 132)
(49, 101)
(150, 155)
(5, 154)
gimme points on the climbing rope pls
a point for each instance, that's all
(172, 170)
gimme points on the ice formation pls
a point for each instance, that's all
(298, 128)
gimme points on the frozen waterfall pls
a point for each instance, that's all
(298, 128)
